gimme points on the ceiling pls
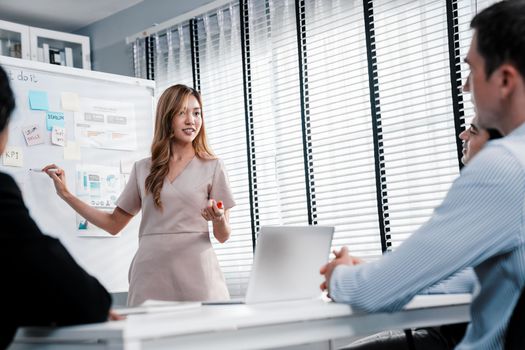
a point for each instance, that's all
(62, 15)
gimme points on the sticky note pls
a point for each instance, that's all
(70, 101)
(13, 156)
(38, 100)
(54, 119)
(126, 166)
(33, 135)
(72, 150)
(58, 136)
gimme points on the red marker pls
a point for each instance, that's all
(219, 204)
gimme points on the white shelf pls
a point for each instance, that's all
(14, 40)
(44, 45)
(60, 48)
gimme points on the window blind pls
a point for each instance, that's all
(277, 113)
(345, 109)
(341, 124)
(220, 63)
(140, 55)
(419, 141)
(173, 58)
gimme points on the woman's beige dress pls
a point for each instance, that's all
(175, 259)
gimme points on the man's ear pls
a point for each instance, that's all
(508, 76)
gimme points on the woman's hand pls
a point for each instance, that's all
(214, 212)
(219, 217)
(114, 316)
(58, 176)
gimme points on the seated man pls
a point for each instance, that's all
(41, 283)
(481, 220)
(448, 336)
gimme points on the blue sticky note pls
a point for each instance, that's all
(38, 100)
(54, 119)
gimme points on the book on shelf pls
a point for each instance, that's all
(69, 56)
(40, 54)
(45, 49)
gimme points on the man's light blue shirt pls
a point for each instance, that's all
(480, 224)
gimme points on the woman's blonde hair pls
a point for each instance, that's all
(170, 103)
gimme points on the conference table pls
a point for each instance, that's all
(258, 326)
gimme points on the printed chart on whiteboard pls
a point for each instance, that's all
(106, 124)
(99, 186)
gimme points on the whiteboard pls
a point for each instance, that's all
(107, 258)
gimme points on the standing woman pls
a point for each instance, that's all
(179, 189)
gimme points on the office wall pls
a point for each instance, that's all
(109, 52)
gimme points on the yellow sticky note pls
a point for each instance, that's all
(13, 156)
(70, 101)
(72, 150)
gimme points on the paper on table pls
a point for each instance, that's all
(157, 306)
(70, 101)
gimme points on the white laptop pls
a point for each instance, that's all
(286, 265)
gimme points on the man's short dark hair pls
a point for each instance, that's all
(494, 134)
(7, 100)
(500, 32)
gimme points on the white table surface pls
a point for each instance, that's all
(256, 326)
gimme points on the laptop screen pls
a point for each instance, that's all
(287, 262)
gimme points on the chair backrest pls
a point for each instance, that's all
(515, 337)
